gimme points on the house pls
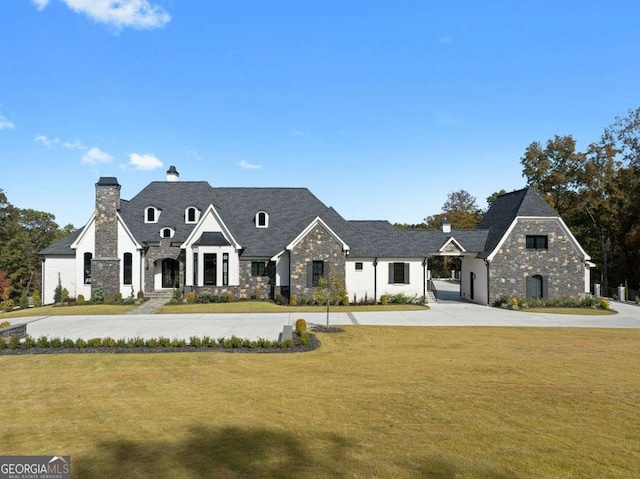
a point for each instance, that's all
(261, 242)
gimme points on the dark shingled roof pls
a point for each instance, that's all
(212, 239)
(290, 211)
(62, 247)
(505, 209)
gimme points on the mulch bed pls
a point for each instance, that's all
(327, 329)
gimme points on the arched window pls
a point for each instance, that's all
(536, 287)
(87, 268)
(166, 233)
(151, 214)
(262, 220)
(127, 269)
(191, 215)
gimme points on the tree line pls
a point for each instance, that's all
(23, 233)
(596, 191)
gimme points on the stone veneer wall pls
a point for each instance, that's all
(105, 265)
(164, 250)
(561, 263)
(251, 287)
(318, 245)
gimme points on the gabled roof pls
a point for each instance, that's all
(382, 239)
(506, 208)
(432, 240)
(62, 247)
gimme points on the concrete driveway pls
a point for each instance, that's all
(449, 311)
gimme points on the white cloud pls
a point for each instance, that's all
(48, 142)
(249, 166)
(95, 156)
(446, 39)
(76, 145)
(5, 124)
(122, 13)
(40, 4)
(144, 162)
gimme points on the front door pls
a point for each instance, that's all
(170, 273)
(472, 276)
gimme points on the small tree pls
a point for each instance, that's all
(331, 292)
(57, 293)
(37, 299)
(24, 300)
(98, 293)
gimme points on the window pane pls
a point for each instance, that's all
(210, 261)
(195, 269)
(398, 272)
(87, 268)
(257, 268)
(128, 268)
(318, 272)
(191, 215)
(151, 215)
(225, 269)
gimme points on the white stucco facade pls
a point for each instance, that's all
(51, 267)
(473, 276)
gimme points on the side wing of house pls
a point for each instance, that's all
(59, 264)
(538, 257)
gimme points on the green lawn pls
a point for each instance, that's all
(269, 307)
(68, 310)
(371, 402)
(582, 311)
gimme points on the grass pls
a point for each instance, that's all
(85, 309)
(269, 307)
(371, 402)
(580, 311)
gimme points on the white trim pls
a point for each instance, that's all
(211, 209)
(198, 213)
(317, 221)
(448, 242)
(544, 218)
(171, 232)
(266, 219)
(128, 231)
(156, 214)
(80, 237)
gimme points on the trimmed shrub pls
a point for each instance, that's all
(281, 300)
(293, 300)
(304, 339)
(287, 343)
(140, 295)
(64, 296)
(3, 343)
(384, 299)
(109, 342)
(24, 300)
(118, 298)
(195, 341)
(29, 342)
(81, 343)
(67, 343)
(191, 297)
(37, 299)
(514, 304)
(14, 342)
(301, 326)
(5, 324)
(604, 304)
(94, 343)
(98, 292)
(178, 343)
(55, 343)
(151, 343)
(8, 305)
(121, 343)
(43, 342)
(80, 299)
(230, 297)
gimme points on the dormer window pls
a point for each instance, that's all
(262, 220)
(151, 214)
(166, 233)
(191, 215)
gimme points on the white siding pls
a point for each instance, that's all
(66, 266)
(359, 283)
(374, 280)
(127, 245)
(479, 268)
(86, 244)
(234, 265)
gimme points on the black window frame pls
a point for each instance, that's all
(168, 231)
(359, 266)
(537, 242)
(225, 269)
(127, 269)
(191, 215)
(262, 219)
(210, 261)
(87, 267)
(195, 269)
(258, 268)
(151, 215)
(317, 272)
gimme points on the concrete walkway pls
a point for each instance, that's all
(449, 311)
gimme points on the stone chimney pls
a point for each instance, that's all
(446, 226)
(105, 264)
(172, 174)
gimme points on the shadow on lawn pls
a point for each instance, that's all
(231, 452)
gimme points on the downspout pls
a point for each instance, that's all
(424, 278)
(42, 298)
(141, 275)
(375, 280)
(487, 262)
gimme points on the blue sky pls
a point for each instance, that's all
(380, 107)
